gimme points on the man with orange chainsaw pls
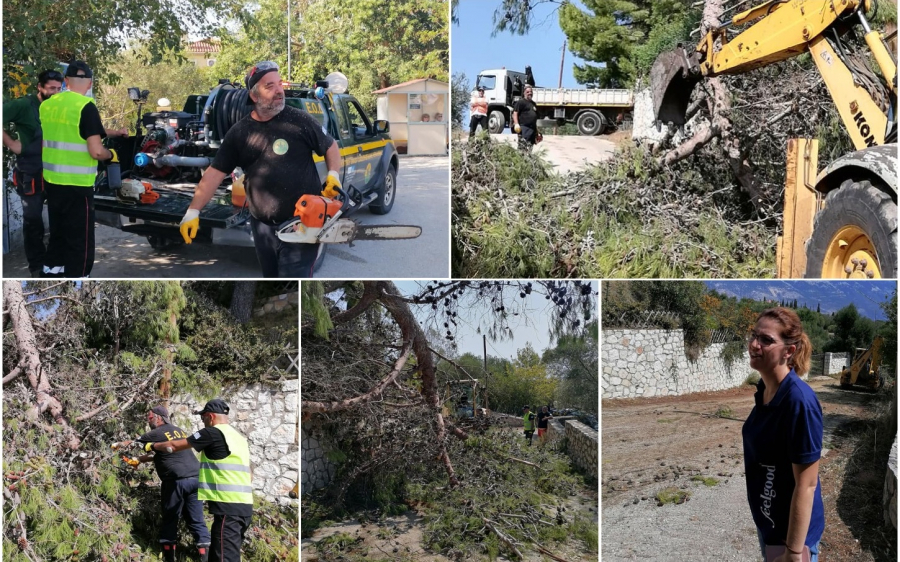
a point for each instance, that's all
(274, 145)
(179, 474)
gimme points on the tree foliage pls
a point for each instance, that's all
(38, 34)
(97, 349)
(375, 44)
(460, 93)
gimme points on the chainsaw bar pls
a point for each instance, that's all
(347, 231)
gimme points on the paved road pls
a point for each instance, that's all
(569, 153)
(422, 199)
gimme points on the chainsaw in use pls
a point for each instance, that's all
(320, 220)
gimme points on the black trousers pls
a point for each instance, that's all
(71, 249)
(282, 259)
(528, 137)
(478, 120)
(30, 188)
(179, 499)
(227, 536)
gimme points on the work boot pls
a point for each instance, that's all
(168, 552)
(203, 550)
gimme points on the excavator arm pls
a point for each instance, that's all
(784, 29)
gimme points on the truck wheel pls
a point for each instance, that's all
(164, 242)
(385, 201)
(590, 123)
(855, 235)
(496, 122)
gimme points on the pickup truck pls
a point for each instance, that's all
(178, 145)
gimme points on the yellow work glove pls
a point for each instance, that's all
(148, 447)
(190, 224)
(130, 461)
(115, 156)
(517, 128)
(331, 182)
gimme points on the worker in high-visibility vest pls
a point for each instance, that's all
(528, 420)
(72, 145)
(225, 478)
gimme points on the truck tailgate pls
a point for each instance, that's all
(583, 96)
(171, 206)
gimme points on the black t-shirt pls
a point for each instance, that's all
(542, 420)
(527, 111)
(90, 123)
(171, 466)
(211, 441)
(277, 158)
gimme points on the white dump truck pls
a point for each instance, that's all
(594, 110)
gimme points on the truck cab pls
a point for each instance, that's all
(502, 88)
(179, 145)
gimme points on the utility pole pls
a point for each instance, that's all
(484, 341)
(289, 40)
(562, 60)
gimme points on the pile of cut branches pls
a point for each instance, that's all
(655, 210)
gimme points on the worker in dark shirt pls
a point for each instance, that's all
(542, 417)
(274, 145)
(525, 119)
(72, 145)
(179, 472)
(225, 478)
(24, 112)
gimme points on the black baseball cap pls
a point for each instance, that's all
(77, 66)
(526, 407)
(215, 406)
(480, 88)
(161, 411)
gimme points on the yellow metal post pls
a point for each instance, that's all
(800, 207)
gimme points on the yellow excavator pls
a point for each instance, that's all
(864, 369)
(840, 222)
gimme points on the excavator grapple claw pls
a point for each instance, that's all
(672, 79)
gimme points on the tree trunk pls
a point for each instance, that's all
(30, 361)
(719, 105)
(242, 301)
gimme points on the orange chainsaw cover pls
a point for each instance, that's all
(314, 210)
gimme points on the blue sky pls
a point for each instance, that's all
(472, 48)
(829, 295)
(528, 328)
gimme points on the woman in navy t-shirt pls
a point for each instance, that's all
(783, 438)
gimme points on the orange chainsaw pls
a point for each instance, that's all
(319, 220)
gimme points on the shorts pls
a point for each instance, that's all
(542, 431)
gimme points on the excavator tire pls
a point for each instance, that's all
(858, 223)
(496, 122)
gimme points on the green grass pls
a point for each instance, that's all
(705, 480)
(724, 412)
(672, 495)
(666, 420)
(752, 379)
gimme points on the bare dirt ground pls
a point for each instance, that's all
(652, 444)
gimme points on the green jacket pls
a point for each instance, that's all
(24, 113)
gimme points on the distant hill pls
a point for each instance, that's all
(830, 296)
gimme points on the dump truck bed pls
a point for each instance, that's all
(581, 96)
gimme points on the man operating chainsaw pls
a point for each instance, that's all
(179, 475)
(274, 145)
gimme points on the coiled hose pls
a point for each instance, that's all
(229, 107)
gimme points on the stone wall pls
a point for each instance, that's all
(267, 415)
(316, 471)
(835, 362)
(276, 304)
(889, 501)
(644, 363)
(581, 446)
